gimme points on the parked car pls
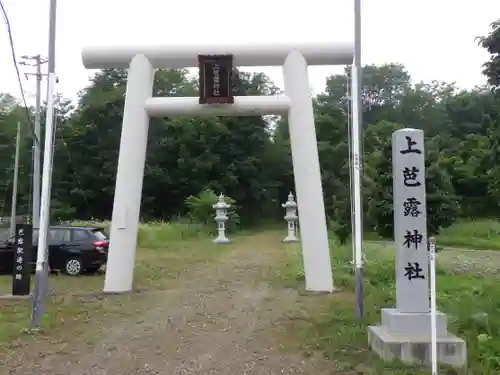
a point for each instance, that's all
(73, 250)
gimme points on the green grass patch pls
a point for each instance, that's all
(166, 251)
(156, 233)
(472, 234)
(330, 327)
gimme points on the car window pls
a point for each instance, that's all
(80, 235)
(99, 235)
(60, 235)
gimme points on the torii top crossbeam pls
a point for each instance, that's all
(186, 56)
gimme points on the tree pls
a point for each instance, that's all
(184, 157)
(491, 43)
(383, 89)
(493, 174)
(12, 113)
(249, 158)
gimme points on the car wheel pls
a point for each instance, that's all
(73, 267)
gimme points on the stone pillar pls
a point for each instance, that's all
(405, 333)
(307, 173)
(129, 176)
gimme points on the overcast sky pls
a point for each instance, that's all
(434, 39)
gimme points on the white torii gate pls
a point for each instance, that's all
(140, 105)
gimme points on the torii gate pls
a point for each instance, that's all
(142, 61)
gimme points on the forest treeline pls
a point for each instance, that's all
(249, 159)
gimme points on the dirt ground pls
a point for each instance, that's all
(474, 262)
(220, 319)
(457, 260)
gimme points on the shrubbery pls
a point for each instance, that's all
(201, 211)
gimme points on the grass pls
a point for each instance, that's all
(330, 326)
(472, 234)
(325, 324)
(164, 252)
(478, 234)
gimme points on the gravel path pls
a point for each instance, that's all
(458, 260)
(475, 262)
(221, 319)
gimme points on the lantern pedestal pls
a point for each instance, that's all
(292, 228)
(221, 236)
(221, 240)
(291, 218)
(221, 218)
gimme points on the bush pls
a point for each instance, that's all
(156, 234)
(201, 211)
(341, 230)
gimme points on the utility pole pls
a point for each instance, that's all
(36, 142)
(357, 164)
(14, 184)
(42, 251)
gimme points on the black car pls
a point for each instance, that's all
(73, 250)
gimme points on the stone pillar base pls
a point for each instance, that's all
(407, 337)
(411, 324)
(416, 349)
(221, 240)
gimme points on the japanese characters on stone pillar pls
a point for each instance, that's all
(23, 253)
(410, 221)
(405, 332)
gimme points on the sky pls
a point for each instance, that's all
(434, 39)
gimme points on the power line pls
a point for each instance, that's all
(14, 60)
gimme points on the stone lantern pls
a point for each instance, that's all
(291, 218)
(221, 218)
